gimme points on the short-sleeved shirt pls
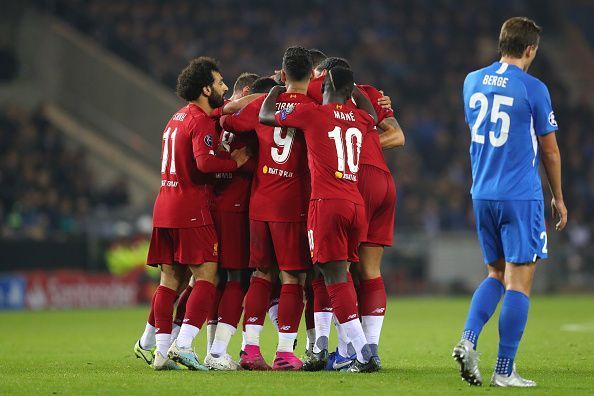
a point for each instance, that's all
(281, 184)
(186, 193)
(371, 152)
(506, 110)
(232, 189)
(334, 134)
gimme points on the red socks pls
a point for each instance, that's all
(290, 308)
(180, 311)
(372, 297)
(164, 299)
(309, 307)
(231, 304)
(151, 318)
(322, 301)
(344, 301)
(256, 302)
(213, 311)
(199, 303)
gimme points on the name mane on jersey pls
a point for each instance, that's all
(179, 116)
(497, 81)
(341, 115)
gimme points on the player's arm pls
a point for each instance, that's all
(385, 102)
(268, 109)
(235, 105)
(363, 103)
(551, 159)
(390, 133)
(245, 120)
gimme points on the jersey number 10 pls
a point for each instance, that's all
(353, 138)
(497, 114)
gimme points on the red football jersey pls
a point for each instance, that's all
(232, 189)
(185, 193)
(371, 153)
(281, 185)
(334, 134)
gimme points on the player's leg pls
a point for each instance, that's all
(372, 293)
(230, 309)
(487, 296)
(197, 248)
(524, 241)
(294, 260)
(290, 309)
(145, 346)
(310, 329)
(344, 304)
(512, 322)
(322, 313)
(212, 319)
(274, 299)
(379, 193)
(172, 276)
(180, 309)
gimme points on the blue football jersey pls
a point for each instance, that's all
(506, 109)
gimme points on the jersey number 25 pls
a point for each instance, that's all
(497, 114)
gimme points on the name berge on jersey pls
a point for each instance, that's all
(496, 81)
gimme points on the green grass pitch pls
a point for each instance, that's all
(90, 352)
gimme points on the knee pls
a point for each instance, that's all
(264, 274)
(368, 271)
(294, 278)
(206, 272)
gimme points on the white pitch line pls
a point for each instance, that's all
(579, 327)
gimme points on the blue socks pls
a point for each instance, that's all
(483, 305)
(512, 321)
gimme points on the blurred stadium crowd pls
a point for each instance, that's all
(418, 57)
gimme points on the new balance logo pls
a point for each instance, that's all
(186, 320)
(353, 316)
(285, 328)
(252, 319)
(378, 311)
(327, 309)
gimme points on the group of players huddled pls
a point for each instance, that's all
(277, 200)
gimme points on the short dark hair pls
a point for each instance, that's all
(332, 62)
(341, 78)
(516, 35)
(263, 85)
(317, 56)
(197, 75)
(244, 80)
(297, 63)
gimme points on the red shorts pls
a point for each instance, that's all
(379, 193)
(233, 230)
(279, 244)
(335, 228)
(194, 245)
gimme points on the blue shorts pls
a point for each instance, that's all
(514, 230)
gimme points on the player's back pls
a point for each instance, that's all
(281, 184)
(334, 140)
(185, 192)
(504, 109)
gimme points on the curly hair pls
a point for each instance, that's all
(197, 75)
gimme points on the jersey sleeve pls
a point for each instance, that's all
(373, 94)
(244, 120)
(202, 140)
(297, 116)
(542, 109)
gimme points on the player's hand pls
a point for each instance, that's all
(559, 212)
(385, 102)
(277, 89)
(241, 156)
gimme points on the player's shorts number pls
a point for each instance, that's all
(353, 138)
(280, 154)
(497, 114)
(543, 235)
(168, 135)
